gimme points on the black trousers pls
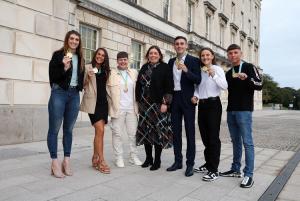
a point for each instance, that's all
(209, 119)
(178, 111)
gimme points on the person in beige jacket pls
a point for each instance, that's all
(122, 108)
(94, 102)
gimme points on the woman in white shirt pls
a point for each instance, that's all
(210, 111)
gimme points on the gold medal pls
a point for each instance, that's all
(204, 69)
(95, 70)
(69, 54)
(235, 75)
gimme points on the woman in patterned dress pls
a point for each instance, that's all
(154, 89)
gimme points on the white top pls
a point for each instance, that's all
(126, 98)
(177, 75)
(211, 86)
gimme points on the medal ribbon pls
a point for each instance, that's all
(240, 68)
(124, 78)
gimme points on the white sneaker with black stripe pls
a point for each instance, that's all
(210, 176)
(247, 182)
(201, 169)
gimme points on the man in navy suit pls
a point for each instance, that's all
(186, 74)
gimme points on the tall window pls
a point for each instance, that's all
(166, 7)
(232, 38)
(222, 33)
(249, 53)
(255, 34)
(242, 20)
(250, 27)
(255, 56)
(190, 16)
(222, 3)
(136, 54)
(232, 11)
(242, 44)
(208, 26)
(89, 41)
(256, 12)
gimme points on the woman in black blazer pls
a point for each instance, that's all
(66, 71)
(154, 89)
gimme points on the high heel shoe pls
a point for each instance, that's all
(56, 173)
(66, 169)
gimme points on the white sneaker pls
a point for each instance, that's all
(119, 162)
(135, 160)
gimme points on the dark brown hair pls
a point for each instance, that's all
(233, 47)
(180, 37)
(159, 52)
(122, 55)
(211, 51)
(78, 49)
(105, 65)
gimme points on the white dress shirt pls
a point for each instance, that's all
(177, 75)
(126, 98)
(211, 86)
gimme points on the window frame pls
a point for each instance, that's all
(141, 53)
(84, 41)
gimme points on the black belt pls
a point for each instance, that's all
(209, 99)
(72, 87)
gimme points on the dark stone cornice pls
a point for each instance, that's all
(250, 39)
(208, 5)
(234, 26)
(243, 34)
(223, 17)
(124, 20)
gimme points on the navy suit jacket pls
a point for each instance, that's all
(189, 79)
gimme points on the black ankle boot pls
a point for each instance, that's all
(157, 161)
(149, 158)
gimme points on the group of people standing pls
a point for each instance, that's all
(151, 104)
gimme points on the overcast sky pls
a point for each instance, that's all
(280, 41)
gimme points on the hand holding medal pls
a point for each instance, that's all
(67, 60)
(242, 76)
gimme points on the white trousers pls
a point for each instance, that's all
(127, 121)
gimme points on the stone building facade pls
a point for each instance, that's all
(30, 30)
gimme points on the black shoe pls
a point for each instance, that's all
(189, 171)
(155, 166)
(147, 163)
(201, 169)
(174, 167)
(231, 173)
(247, 182)
(211, 176)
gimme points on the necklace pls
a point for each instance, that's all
(125, 78)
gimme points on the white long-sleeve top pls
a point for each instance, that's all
(211, 86)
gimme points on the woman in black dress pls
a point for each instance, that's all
(95, 103)
(154, 89)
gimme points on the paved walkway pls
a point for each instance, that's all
(291, 191)
(25, 175)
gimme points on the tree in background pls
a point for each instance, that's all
(272, 93)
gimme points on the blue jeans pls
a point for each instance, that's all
(63, 107)
(240, 128)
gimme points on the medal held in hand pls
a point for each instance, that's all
(234, 74)
(69, 54)
(95, 70)
(204, 69)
